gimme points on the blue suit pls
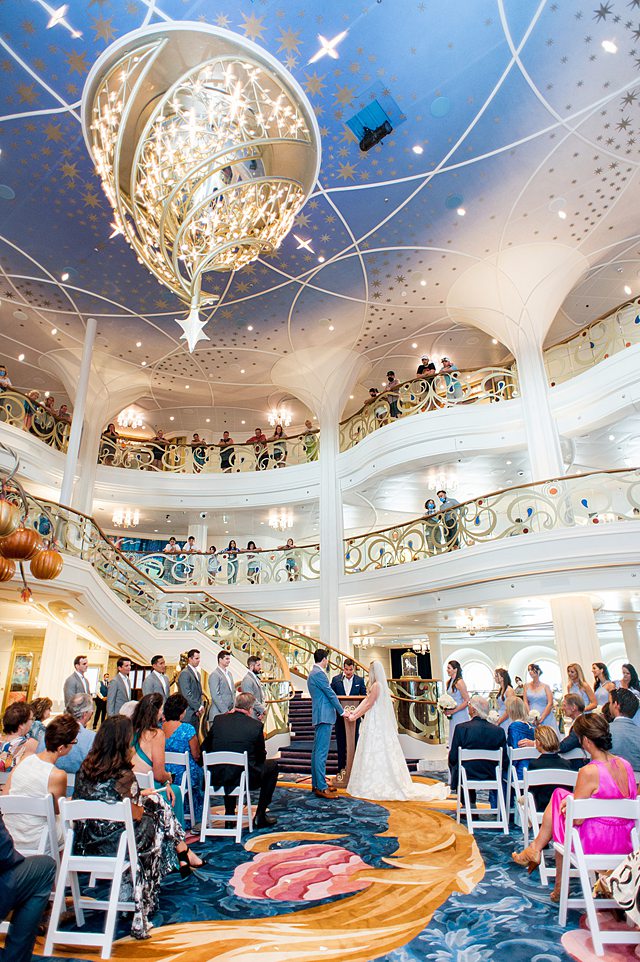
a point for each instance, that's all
(324, 708)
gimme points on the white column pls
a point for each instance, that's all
(58, 652)
(332, 626)
(575, 631)
(77, 422)
(82, 498)
(543, 440)
(631, 640)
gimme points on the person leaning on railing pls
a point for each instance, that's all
(310, 441)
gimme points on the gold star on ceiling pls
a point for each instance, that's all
(53, 132)
(252, 26)
(344, 95)
(314, 83)
(346, 171)
(222, 20)
(27, 93)
(76, 62)
(103, 29)
(289, 40)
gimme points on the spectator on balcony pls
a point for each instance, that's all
(199, 453)
(108, 442)
(63, 414)
(432, 532)
(231, 554)
(392, 394)
(310, 441)
(213, 564)
(190, 546)
(426, 368)
(279, 450)
(380, 410)
(158, 449)
(259, 441)
(291, 563)
(253, 564)
(5, 380)
(226, 452)
(31, 406)
(450, 516)
(172, 547)
(449, 370)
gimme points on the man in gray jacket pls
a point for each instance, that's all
(156, 681)
(119, 690)
(190, 687)
(221, 687)
(251, 683)
(625, 734)
(77, 684)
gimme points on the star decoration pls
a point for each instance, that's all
(193, 329)
(252, 26)
(602, 12)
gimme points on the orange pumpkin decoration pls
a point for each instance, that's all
(9, 517)
(21, 545)
(46, 564)
(7, 569)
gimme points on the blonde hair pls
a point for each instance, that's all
(515, 709)
(546, 739)
(582, 681)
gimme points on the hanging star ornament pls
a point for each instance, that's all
(193, 328)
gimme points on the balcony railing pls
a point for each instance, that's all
(608, 335)
(196, 569)
(420, 394)
(20, 411)
(176, 457)
(583, 499)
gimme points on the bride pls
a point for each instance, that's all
(379, 770)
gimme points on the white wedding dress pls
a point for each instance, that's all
(379, 770)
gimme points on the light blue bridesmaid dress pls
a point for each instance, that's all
(460, 716)
(502, 707)
(577, 690)
(602, 696)
(538, 700)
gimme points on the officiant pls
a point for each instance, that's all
(347, 683)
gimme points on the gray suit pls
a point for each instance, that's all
(152, 685)
(625, 736)
(117, 695)
(74, 686)
(222, 696)
(251, 683)
(191, 688)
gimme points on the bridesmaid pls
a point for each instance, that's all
(539, 697)
(631, 682)
(577, 685)
(458, 691)
(505, 691)
(603, 684)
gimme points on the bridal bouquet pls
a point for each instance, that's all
(446, 702)
(493, 716)
(534, 717)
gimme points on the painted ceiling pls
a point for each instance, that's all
(511, 114)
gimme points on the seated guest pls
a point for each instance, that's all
(181, 737)
(37, 776)
(625, 734)
(106, 775)
(25, 887)
(16, 743)
(605, 777)
(239, 731)
(519, 729)
(41, 710)
(80, 707)
(546, 741)
(149, 748)
(477, 734)
(572, 708)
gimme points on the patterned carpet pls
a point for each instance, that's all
(358, 881)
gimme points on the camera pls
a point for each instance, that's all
(203, 515)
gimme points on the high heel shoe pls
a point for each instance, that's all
(529, 857)
(183, 863)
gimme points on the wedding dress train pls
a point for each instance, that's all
(379, 771)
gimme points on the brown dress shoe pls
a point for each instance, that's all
(324, 793)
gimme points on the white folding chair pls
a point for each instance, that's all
(531, 817)
(71, 783)
(514, 783)
(43, 808)
(241, 793)
(145, 780)
(111, 867)
(584, 866)
(466, 785)
(182, 758)
(575, 753)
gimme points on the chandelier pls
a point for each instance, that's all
(129, 419)
(127, 518)
(207, 149)
(421, 646)
(281, 520)
(365, 642)
(472, 621)
(279, 416)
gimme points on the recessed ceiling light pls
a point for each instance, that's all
(242, 422)
(423, 283)
(507, 462)
(144, 363)
(249, 327)
(172, 418)
(138, 343)
(65, 276)
(186, 387)
(321, 260)
(609, 46)
(494, 340)
(331, 327)
(242, 370)
(404, 293)
(612, 437)
(627, 289)
(562, 214)
(461, 211)
(21, 357)
(54, 331)
(414, 346)
(351, 397)
(208, 420)
(417, 149)
(47, 393)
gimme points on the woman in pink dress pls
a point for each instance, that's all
(606, 776)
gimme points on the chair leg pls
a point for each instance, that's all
(592, 915)
(468, 809)
(76, 895)
(459, 803)
(564, 884)
(56, 908)
(503, 810)
(114, 898)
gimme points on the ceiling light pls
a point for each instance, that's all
(127, 518)
(417, 149)
(281, 520)
(494, 340)
(627, 289)
(243, 422)
(208, 420)
(423, 283)
(414, 346)
(186, 387)
(351, 397)
(507, 462)
(331, 327)
(144, 363)
(612, 437)
(130, 419)
(562, 214)
(168, 160)
(172, 418)
(21, 357)
(461, 211)
(242, 370)
(47, 393)
(54, 331)
(304, 244)
(328, 47)
(321, 259)
(65, 276)
(609, 46)
(249, 327)
(279, 416)
(138, 343)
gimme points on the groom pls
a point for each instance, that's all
(347, 683)
(324, 707)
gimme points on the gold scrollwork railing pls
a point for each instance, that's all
(581, 499)
(607, 335)
(27, 414)
(276, 566)
(279, 694)
(415, 701)
(176, 457)
(420, 394)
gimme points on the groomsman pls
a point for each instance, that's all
(251, 683)
(346, 683)
(77, 684)
(156, 681)
(119, 691)
(221, 687)
(190, 687)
